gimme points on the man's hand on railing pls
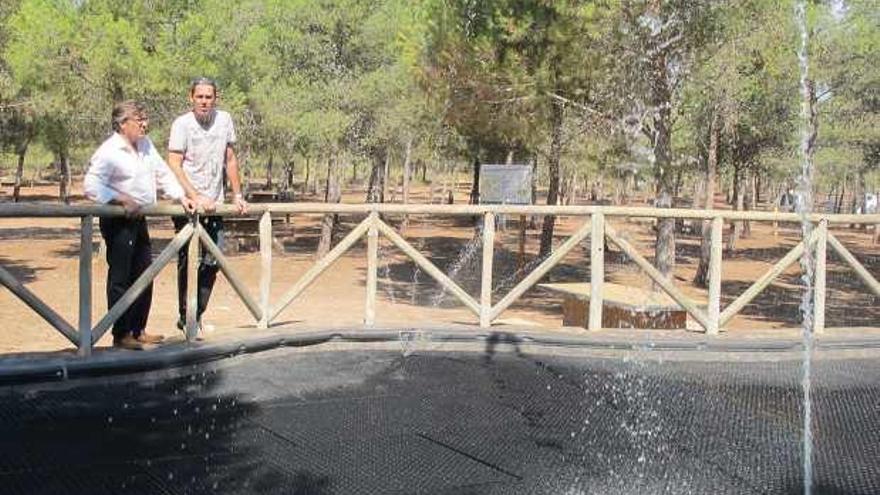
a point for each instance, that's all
(206, 204)
(188, 204)
(132, 208)
(240, 204)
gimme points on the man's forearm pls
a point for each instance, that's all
(232, 172)
(175, 163)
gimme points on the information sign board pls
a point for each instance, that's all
(506, 184)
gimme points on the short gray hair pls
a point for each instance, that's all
(125, 110)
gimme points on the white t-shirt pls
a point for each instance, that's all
(204, 151)
(116, 167)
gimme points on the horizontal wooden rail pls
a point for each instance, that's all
(58, 210)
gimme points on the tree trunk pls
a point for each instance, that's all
(701, 278)
(407, 165)
(307, 175)
(748, 201)
(737, 229)
(19, 170)
(533, 220)
(838, 204)
(375, 187)
(332, 194)
(386, 172)
(64, 186)
(475, 187)
(661, 101)
(269, 172)
(289, 175)
(556, 117)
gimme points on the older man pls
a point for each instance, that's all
(200, 152)
(125, 170)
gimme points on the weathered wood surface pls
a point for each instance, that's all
(623, 306)
(59, 210)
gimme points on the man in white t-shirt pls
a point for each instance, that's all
(201, 154)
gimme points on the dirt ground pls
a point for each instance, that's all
(43, 254)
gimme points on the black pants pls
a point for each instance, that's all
(208, 266)
(128, 255)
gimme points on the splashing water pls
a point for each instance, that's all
(465, 255)
(386, 274)
(804, 206)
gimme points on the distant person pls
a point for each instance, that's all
(125, 170)
(200, 153)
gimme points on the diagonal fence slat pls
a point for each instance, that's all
(142, 282)
(756, 288)
(657, 277)
(542, 269)
(860, 269)
(429, 267)
(236, 282)
(319, 267)
(37, 304)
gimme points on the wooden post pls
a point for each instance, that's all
(85, 286)
(265, 267)
(597, 269)
(819, 277)
(486, 281)
(372, 270)
(192, 282)
(715, 256)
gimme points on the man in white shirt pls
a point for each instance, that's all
(125, 170)
(200, 152)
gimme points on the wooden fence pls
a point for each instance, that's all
(264, 311)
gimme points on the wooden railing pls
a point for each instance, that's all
(194, 238)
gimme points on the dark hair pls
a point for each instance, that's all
(202, 81)
(125, 110)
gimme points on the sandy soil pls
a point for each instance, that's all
(43, 254)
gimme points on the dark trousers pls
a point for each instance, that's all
(208, 266)
(128, 255)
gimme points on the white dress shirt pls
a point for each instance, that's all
(117, 168)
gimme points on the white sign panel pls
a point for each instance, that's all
(506, 184)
